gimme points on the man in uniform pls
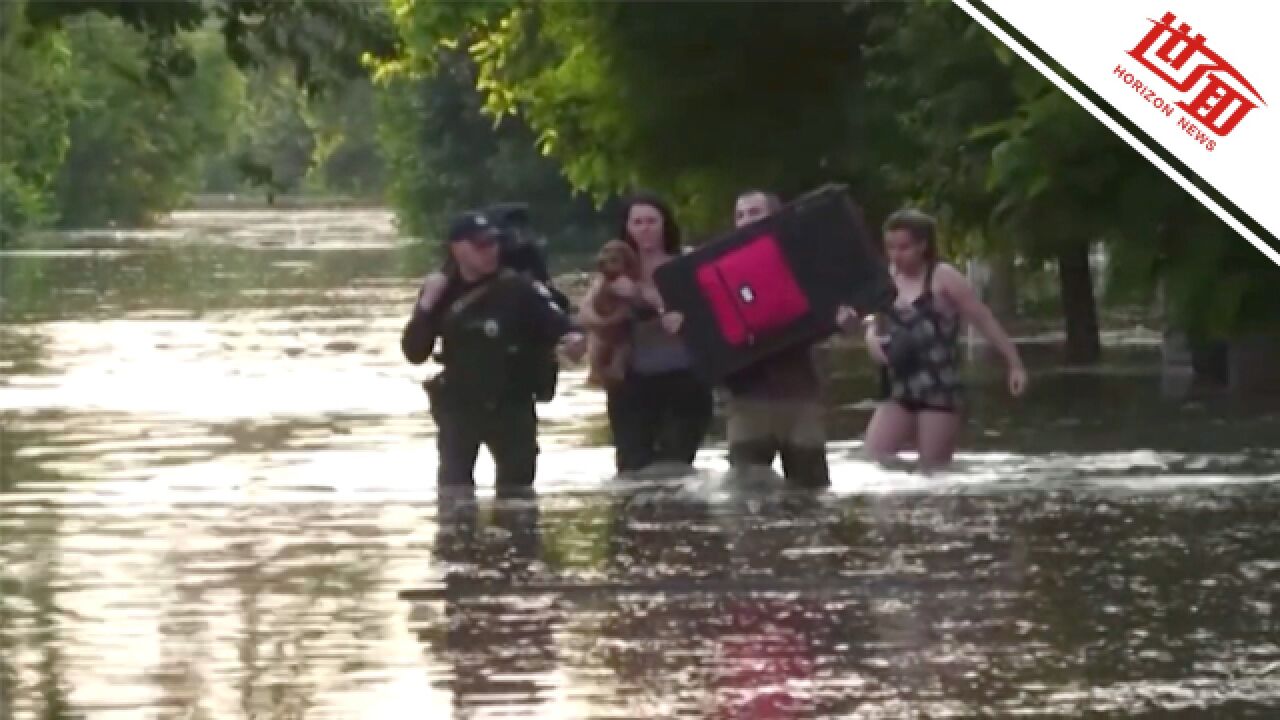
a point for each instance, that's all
(519, 249)
(495, 325)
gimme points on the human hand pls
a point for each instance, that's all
(672, 322)
(574, 346)
(874, 346)
(1017, 380)
(652, 298)
(623, 287)
(433, 287)
(846, 318)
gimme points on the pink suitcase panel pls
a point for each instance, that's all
(752, 291)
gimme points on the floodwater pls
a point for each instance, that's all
(217, 501)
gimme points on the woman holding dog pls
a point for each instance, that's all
(660, 410)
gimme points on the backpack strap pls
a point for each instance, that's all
(473, 295)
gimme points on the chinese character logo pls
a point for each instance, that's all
(1184, 61)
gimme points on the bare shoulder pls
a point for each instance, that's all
(949, 279)
(954, 288)
(948, 273)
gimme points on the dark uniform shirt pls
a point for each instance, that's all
(492, 341)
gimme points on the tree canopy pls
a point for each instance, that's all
(909, 103)
(456, 103)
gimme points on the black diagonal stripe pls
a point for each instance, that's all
(1123, 120)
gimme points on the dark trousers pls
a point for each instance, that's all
(510, 431)
(761, 429)
(659, 418)
(806, 466)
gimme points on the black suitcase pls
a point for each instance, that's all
(821, 250)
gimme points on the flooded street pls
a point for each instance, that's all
(217, 480)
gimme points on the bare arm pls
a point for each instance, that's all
(957, 290)
(871, 335)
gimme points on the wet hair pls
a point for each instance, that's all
(670, 230)
(771, 199)
(920, 226)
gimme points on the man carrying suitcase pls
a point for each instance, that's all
(775, 406)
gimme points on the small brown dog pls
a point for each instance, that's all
(608, 348)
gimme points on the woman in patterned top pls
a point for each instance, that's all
(917, 343)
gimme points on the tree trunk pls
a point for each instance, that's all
(1079, 308)
(1210, 361)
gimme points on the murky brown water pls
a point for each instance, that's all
(216, 480)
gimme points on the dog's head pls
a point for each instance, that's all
(617, 259)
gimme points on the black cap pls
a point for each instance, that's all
(469, 224)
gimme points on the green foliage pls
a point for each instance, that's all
(90, 139)
(1215, 284)
(34, 107)
(1062, 177)
(346, 158)
(911, 103)
(1002, 152)
(443, 156)
(87, 140)
(323, 40)
(631, 94)
(283, 141)
(273, 132)
(136, 150)
(113, 110)
(938, 95)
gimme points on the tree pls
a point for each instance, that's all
(444, 156)
(345, 123)
(134, 150)
(35, 85)
(1066, 182)
(624, 95)
(324, 40)
(321, 44)
(1015, 165)
(284, 141)
(274, 143)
